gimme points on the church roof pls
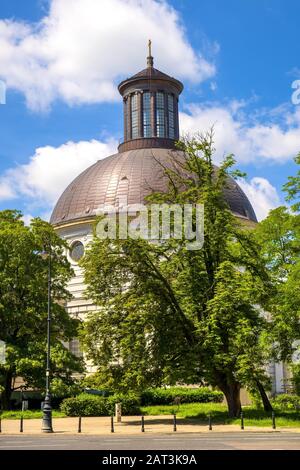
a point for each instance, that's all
(134, 174)
(151, 73)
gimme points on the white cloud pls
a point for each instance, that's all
(262, 195)
(44, 215)
(213, 86)
(48, 172)
(235, 133)
(77, 52)
(250, 141)
(27, 218)
(6, 191)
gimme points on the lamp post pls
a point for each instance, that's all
(47, 409)
(22, 396)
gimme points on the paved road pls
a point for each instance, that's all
(220, 441)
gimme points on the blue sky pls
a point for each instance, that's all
(62, 59)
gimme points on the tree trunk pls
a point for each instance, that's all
(6, 394)
(232, 395)
(264, 396)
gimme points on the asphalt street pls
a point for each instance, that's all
(219, 441)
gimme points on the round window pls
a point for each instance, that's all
(77, 251)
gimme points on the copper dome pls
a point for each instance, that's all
(134, 174)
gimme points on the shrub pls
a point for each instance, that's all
(287, 402)
(84, 405)
(168, 396)
(130, 403)
(94, 405)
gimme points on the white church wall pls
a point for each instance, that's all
(78, 306)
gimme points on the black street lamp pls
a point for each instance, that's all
(47, 409)
(22, 397)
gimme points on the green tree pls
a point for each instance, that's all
(292, 187)
(278, 237)
(23, 305)
(169, 314)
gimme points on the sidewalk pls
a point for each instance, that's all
(131, 425)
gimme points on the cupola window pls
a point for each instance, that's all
(134, 117)
(147, 115)
(160, 114)
(127, 126)
(171, 116)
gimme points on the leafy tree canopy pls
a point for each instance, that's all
(169, 314)
(24, 252)
(292, 188)
(278, 237)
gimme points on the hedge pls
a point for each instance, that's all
(94, 405)
(169, 396)
(287, 402)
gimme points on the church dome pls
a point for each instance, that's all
(133, 174)
(151, 129)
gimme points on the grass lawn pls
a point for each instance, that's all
(219, 414)
(29, 414)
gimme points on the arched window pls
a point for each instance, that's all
(134, 117)
(146, 115)
(76, 251)
(160, 114)
(171, 119)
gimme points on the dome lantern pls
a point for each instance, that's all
(150, 100)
